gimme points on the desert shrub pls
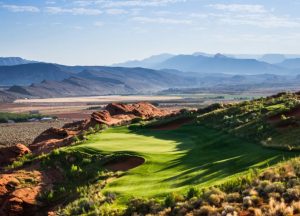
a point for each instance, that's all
(229, 210)
(210, 108)
(104, 127)
(21, 161)
(75, 170)
(233, 197)
(214, 199)
(279, 208)
(136, 120)
(277, 187)
(107, 210)
(214, 196)
(172, 198)
(292, 194)
(247, 202)
(82, 206)
(76, 139)
(47, 196)
(255, 200)
(296, 207)
(192, 192)
(205, 211)
(91, 130)
(143, 207)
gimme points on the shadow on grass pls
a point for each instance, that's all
(211, 155)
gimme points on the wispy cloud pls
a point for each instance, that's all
(161, 20)
(251, 8)
(73, 11)
(264, 21)
(21, 8)
(116, 11)
(252, 15)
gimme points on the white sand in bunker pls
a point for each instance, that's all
(110, 98)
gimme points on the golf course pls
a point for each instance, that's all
(175, 160)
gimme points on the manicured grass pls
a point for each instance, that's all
(176, 160)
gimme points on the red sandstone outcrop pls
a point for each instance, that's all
(15, 197)
(141, 109)
(10, 154)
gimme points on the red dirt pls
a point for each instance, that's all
(173, 124)
(125, 163)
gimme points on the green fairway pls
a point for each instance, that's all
(179, 159)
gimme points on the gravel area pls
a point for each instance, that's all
(11, 134)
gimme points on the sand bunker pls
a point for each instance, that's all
(125, 163)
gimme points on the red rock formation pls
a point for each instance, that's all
(10, 154)
(141, 109)
(16, 199)
(51, 133)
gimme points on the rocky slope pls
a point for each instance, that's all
(22, 185)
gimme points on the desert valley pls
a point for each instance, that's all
(149, 108)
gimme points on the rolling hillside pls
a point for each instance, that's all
(193, 161)
(105, 81)
(26, 74)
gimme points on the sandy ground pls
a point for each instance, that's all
(104, 99)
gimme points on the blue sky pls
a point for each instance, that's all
(101, 32)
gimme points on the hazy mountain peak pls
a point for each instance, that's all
(10, 61)
(219, 55)
(273, 58)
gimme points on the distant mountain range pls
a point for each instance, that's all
(22, 78)
(26, 74)
(99, 81)
(207, 63)
(290, 63)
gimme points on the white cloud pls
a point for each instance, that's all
(161, 20)
(21, 8)
(250, 8)
(264, 21)
(73, 11)
(116, 11)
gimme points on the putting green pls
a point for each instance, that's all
(179, 159)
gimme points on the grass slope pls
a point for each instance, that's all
(273, 121)
(192, 155)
